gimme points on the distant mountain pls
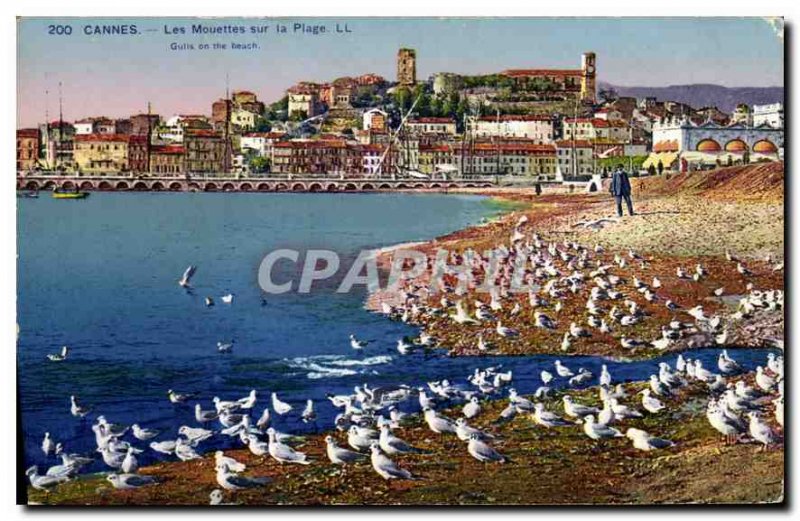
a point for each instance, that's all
(703, 95)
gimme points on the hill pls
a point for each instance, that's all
(703, 95)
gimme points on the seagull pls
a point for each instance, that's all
(225, 347)
(232, 481)
(392, 445)
(727, 365)
(143, 434)
(130, 481)
(644, 441)
(283, 453)
(650, 403)
(221, 459)
(227, 299)
(209, 301)
(760, 431)
(506, 331)
(339, 455)
(194, 435)
(404, 347)
(60, 357)
(176, 397)
(764, 381)
(597, 431)
(279, 406)
(130, 464)
(264, 420)
(548, 419)
(215, 499)
(204, 416)
(358, 344)
(187, 277)
(184, 450)
(472, 408)
(43, 482)
(543, 321)
(309, 416)
(464, 431)
(164, 447)
(360, 439)
(48, 445)
(248, 401)
(482, 451)
(385, 467)
(78, 410)
(562, 370)
(438, 424)
(576, 409)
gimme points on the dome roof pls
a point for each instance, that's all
(765, 147)
(708, 145)
(736, 145)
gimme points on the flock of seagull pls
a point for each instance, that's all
(369, 417)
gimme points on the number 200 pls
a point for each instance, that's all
(59, 29)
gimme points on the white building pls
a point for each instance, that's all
(575, 158)
(680, 135)
(537, 128)
(771, 115)
(431, 125)
(244, 119)
(374, 118)
(303, 101)
(260, 142)
(84, 127)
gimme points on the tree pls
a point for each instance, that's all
(259, 164)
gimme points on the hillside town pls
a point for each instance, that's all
(519, 125)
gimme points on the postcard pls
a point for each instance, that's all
(400, 261)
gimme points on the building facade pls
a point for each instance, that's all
(539, 129)
(28, 144)
(406, 67)
(103, 154)
(771, 115)
(428, 125)
(205, 152)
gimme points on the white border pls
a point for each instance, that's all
(320, 8)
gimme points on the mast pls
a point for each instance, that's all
(60, 125)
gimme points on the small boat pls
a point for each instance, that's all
(28, 195)
(59, 194)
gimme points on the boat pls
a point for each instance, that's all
(57, 194)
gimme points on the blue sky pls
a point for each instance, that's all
(116, 75)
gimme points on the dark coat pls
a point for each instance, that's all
(620, 184)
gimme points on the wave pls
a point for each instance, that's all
(336, 366)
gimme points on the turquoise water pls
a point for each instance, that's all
(100, 275)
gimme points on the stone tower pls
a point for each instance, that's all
(588, 85)
(406, 66)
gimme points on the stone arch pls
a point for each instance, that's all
(367, 186)
(194, 187)
(349, 187)
(298, 187)
(158, 186)
(469, 185)
(122, 185)
(68, 185)
(436, 185)
(211, 187)
(31, 185)
(49, 185)
(385, 186)
(281, 187)
(228, 187)
(87, 185)
(175, 187)
(735, 145)
(419, 185)
(246, 187)
(765, 146)
(708, 145)
(104, 186)
(263, 187)
(332, 187)
(486, 185)
(315, 187)
(140, 186)
(452, 185)
(402, 186)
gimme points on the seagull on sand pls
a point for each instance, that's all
(763, 380)
(644, 441)
(472, 408)
(60, 357)
(283, 453)
(506, 331)
(231, 481)
(187, 277)
(280, 407)
(43, 482)
(392, 445)
(130, 464)
(597, 431)
(221, 459)
(184, 450)
(464, 431)
(577, 410)
(385, 467)
(548, 419)
(339, 455)
(482, 451)
(130, 481)
(360, 439)
(438, 424)
(543, 321)
(164, 447)
(760, 431)
(650, 403)
(215, 499)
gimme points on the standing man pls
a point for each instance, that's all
(621, 189)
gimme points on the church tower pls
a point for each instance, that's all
(406, 66)
(588, 85)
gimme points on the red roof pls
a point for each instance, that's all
(168, 149)
(579, 143)
(521, 148)
(202, 132)
(116, 138)
(432, 120)
(515, 117)
(28, 132)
